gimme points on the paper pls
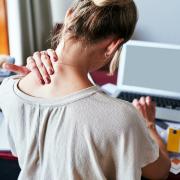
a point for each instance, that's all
(175, 166)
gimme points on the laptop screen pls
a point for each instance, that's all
(149, 66)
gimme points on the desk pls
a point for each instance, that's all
(9, 168)
(174, 177)
(170, 177)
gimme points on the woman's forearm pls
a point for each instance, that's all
(157, 138)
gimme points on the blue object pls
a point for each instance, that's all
(5, 73)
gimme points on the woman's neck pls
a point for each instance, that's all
(68, 79)
(70, 73)
(71, 69)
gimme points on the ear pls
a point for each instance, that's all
(113, 46)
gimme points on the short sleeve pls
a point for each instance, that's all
(3, 85)
(6, 104)
(6, 88)
(149, 149)
(136, 148)
(3, 91)
(11, 142)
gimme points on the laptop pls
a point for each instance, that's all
(151, 69)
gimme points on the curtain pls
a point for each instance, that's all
(29, 26)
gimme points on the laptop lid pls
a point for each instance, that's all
(151, 68)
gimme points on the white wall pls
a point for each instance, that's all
(159, 21)
(59, 8)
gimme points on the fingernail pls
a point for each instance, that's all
(55, 58)
(51, 71)
(48, 80)
(42, 82)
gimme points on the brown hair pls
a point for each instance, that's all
(95, 20)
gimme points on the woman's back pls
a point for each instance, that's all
(85, 135)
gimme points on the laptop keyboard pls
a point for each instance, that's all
(160, 101)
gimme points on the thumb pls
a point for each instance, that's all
(14, 68)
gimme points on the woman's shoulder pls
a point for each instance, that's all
(116, 104)
(7, 98)
(7, 83)
(29, 84)
(112, 111)
(25, 83)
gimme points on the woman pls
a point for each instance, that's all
(69, 129)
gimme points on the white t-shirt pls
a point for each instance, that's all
(83, 136)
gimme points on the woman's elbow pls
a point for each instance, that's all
(166, 171)
(157, 171)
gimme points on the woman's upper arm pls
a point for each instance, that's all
(159, 167)
(153, 163)
(148, 154)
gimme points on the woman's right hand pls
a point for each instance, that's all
(40, 64)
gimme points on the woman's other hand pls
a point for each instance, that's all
(147, 108)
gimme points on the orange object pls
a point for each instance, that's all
(173, 142)
(176, 161)
(4, 45)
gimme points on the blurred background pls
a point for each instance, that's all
(25, 25)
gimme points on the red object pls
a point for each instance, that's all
(101, 77)
(7, 155)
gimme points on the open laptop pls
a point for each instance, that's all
(151, 69)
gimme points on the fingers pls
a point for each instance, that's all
(148, 100)
(40, 59)
(47, 62)
(146, 107)
(41, 64)
(33, 67)
(137, 105)
(52, 54)
(14, 68)
(151, 104)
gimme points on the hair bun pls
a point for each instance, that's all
(103, 3)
